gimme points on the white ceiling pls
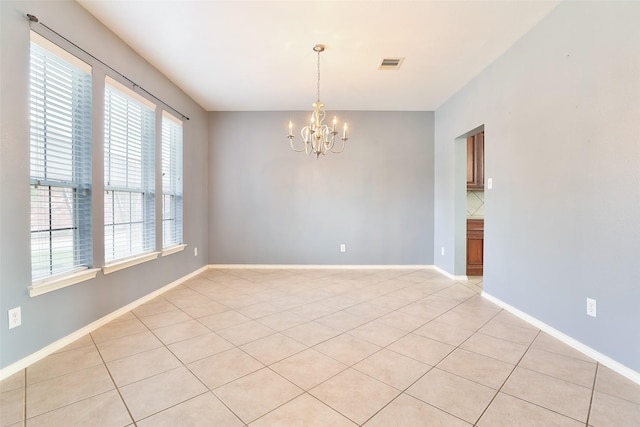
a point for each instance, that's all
(257, 55)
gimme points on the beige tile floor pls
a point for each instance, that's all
(319, 348)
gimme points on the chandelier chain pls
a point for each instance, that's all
(318, 76)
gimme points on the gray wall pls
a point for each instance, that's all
(561, 113)
(49, 317)
(271, 205)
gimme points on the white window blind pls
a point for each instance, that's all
(60, 161)
(171, 181)
(129, 165)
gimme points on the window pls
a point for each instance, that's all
(129, 183)
(60, 161)
(171, 181)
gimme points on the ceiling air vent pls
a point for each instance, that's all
(390, 63)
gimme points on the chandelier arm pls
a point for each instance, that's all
(305, 141)
(344, 140)
(318, 142)
(308, 142)
(330, 143)
(324, 131)
(292, 145)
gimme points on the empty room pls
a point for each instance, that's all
(319, 213)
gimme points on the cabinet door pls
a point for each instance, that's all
(475, 254)
(475, 247)
(471, 162)
(479, 140)
(475, 162)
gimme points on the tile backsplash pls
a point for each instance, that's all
(475, 204)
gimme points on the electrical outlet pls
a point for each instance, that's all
(442, 250)
(15, 317)
(489, 183)
(343, 248)
(591, 307)
(195, 251)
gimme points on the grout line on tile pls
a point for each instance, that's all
(185, 401)
(542, 407)
(593, 391)
(566, 356)
(322, 382)
(519, 398)
(334, 409)
(403, 393)
(70, 404)
(211, 391)
(113, 381)
(429, 370)
(293, 398)
(24, 399)
(508, 376)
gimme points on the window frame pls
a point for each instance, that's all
(172, 141)
(145, 188)
(60, 125)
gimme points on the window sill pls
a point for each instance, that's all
(49, 285)
(173, 249)
(129, 262)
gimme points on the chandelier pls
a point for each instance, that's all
(318, 137)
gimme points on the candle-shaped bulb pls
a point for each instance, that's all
(335, 120)
(344, 131)
(290, 128)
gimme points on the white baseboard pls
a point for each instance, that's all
(319, 267)
(339, 267)
(449, 275)
(55, 346)
(571, 342)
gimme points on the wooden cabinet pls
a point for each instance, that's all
(475, 162)
(475, 246)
